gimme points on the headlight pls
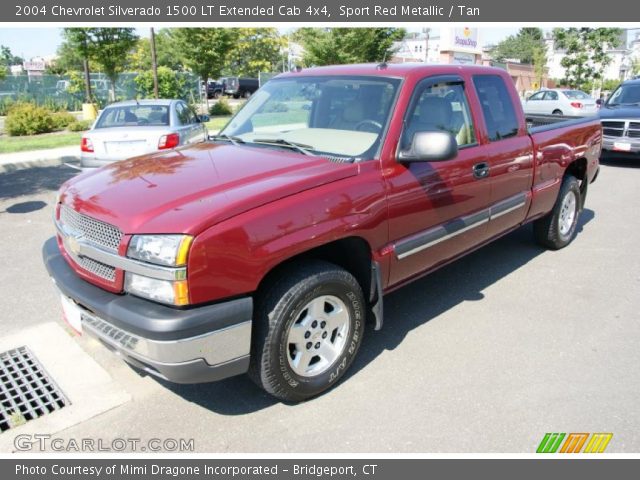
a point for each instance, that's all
(169, 250)
(163, 291)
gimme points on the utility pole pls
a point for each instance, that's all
(154, 63)
(426, 41)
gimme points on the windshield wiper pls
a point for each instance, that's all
(281, 142)
(229, 138)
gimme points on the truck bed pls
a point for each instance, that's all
(543, 123)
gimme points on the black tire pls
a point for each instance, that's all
(280, 306)
(247, 94)
(547, 230)
(216, 95)
(557, 112)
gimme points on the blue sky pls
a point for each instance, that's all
(32, 42)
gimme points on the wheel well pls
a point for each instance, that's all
(578, 168)
(351, 253)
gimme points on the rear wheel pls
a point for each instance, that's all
(307, 331)
(557, 229)
(216, 95)
(247, 94)
(557, 112)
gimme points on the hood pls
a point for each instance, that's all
(187, 190)
(621, 112)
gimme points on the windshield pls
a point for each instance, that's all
(576, 95)
(134, 116)
(337, 116)
(625, 95)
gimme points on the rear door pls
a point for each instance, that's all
(437, 210)
(552, 103)
(509, 153)
(189, 128)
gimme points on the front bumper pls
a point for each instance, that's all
(195, 345)
(609, 145)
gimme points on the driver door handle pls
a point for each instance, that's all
(481, 170)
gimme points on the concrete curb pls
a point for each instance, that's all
(10, 162)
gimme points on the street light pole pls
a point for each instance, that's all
(154, 64)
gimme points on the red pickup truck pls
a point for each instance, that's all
(267, 249)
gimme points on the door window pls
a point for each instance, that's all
(185, 115)
(440, 107)
(497, 107)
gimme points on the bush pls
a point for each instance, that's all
(80, 125)
(221, 107)
(62, 120)
(28, 119)
(170, 84)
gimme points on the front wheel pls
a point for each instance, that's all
(557, 229)
(307, 330)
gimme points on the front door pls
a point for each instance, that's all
(437, 210)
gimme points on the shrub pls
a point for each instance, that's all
(62, 120)
(28, 119)
(80, 125)
(170, 84)
(221, 107)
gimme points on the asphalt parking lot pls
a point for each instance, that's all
(485, 355)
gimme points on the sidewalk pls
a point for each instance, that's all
(38, 158)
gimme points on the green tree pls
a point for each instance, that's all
(77, 46)
(168, 53)
(585, 52)
(110, 47)
(254, 50)
(521, 46)
(205, 50)
(7, 59)
(539, 64)
(170, 84)
(333, 46)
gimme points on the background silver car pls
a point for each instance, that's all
(131, 128)
(560, 101)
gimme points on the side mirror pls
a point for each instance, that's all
(203, 118)
(430, 147)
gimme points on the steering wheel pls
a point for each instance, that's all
(363, 123)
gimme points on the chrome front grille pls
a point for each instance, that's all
(100, 233)
(613, 128)
(634, 130)
(98, 269)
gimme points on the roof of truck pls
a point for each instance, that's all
(388, 69)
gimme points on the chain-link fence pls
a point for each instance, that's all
(66, 92)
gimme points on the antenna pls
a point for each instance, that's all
(383, 64)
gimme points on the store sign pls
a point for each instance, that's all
(465, 37)
(34, 65)
(460, 58)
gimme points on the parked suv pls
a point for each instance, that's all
(620, 116)
(240, 86)
(215, 89)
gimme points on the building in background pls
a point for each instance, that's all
(443, 45)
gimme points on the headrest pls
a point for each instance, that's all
(353, 112)
(435, 111)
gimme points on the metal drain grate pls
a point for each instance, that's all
(26, 390)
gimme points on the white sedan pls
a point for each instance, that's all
(131, 128)
(572, 103)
